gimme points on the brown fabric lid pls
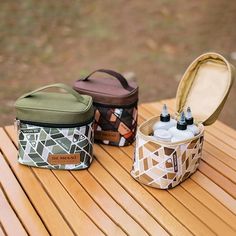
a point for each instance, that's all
(109, 90)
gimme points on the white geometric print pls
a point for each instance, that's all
(37, 143)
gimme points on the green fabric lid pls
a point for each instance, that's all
(55, 108)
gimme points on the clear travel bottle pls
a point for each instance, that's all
(162, 135)
(180, 132)
(166, 121)
(190, 122)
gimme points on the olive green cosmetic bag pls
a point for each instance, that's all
(55, 129)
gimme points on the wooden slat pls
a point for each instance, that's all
(221, 136)
(167, 203)
(19, 201)
(105, 201)
(8, 218)
(218, 178)
(220, 145)
(86, 203)
(78, 220)
(12, 133)
(125, 200)
(210, 202)
(193, 205)
(226, 129)
(215, 191)
(202, 212)
(221, 156)
(39, 198)
(223, 169)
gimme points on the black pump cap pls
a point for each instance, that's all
(165, 118)
(189, 117)
(181, 124)
(189, 121)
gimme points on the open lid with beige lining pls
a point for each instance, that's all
(205, 87)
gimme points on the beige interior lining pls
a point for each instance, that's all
(204, 86)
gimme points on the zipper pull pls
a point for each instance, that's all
(17, 124)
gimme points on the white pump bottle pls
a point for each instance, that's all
(180, 132)
(190, 123)
(165, 121)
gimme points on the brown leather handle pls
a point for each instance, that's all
(116, 75)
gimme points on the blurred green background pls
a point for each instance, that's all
(42, 42)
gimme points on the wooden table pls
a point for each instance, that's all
(106, 200)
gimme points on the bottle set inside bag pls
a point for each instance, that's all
(115, 100)
(165, 158)
(55, 129)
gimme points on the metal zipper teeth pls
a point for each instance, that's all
(115, 106)
(56, 125)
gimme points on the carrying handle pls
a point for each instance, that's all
(57, 85)
(116, 75)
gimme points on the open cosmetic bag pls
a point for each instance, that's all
(204, 87)
(115, 100)
(55, 129)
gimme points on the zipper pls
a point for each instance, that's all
(115, 106)
(53, 125)
(85, 91)
(100, 98)
(17, 124)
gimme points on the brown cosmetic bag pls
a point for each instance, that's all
(115, 101)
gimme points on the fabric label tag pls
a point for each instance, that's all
(175, 162)
(107, 135)
(63, 159)
(31, 131)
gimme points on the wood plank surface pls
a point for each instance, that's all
(8, 218)
(18, 199)
(106, 200)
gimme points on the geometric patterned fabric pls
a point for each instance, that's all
(119, 121)
(166, 166)
(36, 143)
